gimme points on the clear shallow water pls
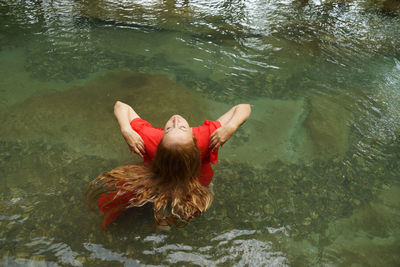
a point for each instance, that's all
(311, 178)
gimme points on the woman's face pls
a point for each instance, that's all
(177, 131)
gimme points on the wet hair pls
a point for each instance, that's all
(171, 183)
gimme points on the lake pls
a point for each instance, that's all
(311, 179)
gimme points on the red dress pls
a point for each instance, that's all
(151, 137)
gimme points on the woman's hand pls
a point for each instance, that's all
(230, 122)
(220, 136)
(134, 141)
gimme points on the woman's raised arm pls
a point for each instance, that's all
(230, 122)
(125, 114)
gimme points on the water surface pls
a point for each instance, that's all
(310, 179)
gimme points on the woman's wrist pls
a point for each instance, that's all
(240, 115)
(126, 130)
(231, 127)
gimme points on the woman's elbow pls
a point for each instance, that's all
(245, 107)
(118, 103)
(118, 106)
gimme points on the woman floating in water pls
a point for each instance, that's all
(176, 172)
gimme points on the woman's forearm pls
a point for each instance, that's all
(240, 114)
(124, 115)
(230, 122)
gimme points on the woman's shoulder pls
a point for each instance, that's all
(149, 133)
(207, 128)
(139, 123)
(202, 134)
(208, 124)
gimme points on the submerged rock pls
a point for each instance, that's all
(328, 126)
(294, 199)
(371, 230)
(273, 132)
(291, 131)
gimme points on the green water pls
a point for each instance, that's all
(311, 179)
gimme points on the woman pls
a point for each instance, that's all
(176, 172)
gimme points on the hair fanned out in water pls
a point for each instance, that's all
(171, 182)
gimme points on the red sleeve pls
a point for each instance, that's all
(213, 125)
(137, 124)
(112, 206)
(202, 134)
(151, 136)
(206, 174)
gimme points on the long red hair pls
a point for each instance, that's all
(171, 182)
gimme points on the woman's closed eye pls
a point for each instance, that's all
(182, 128)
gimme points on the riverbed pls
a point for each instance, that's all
(311, 179)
